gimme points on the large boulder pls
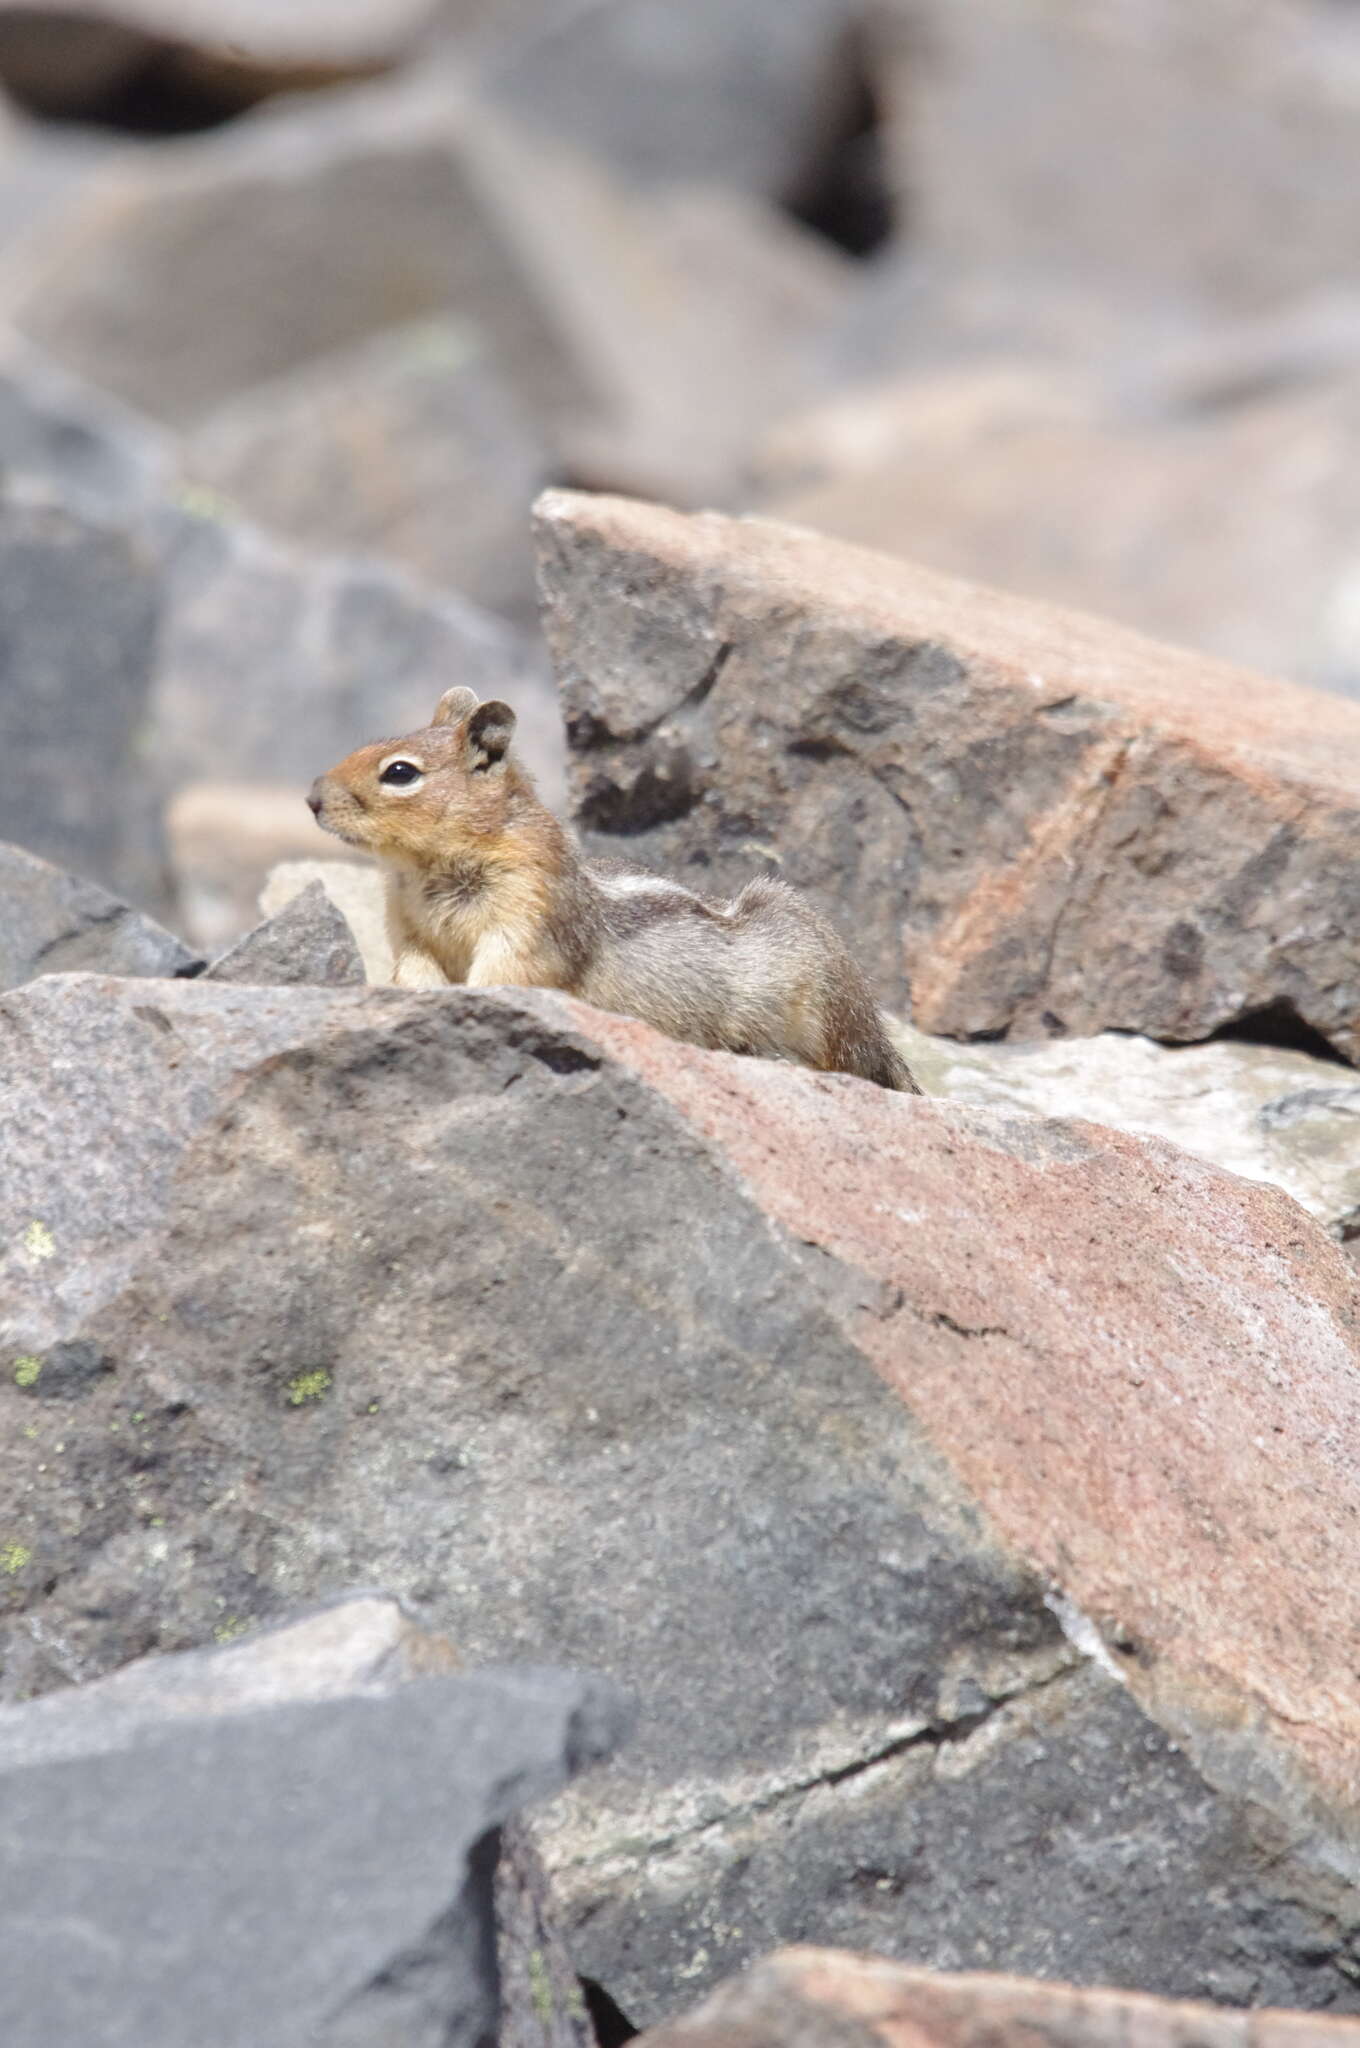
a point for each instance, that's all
(82, 599)
(805, 1998)
(961, 1492)
(1028, 821)
(306, 1833)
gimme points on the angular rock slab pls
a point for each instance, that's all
(308, 941)
(1025, 820)
(809, 1998)
(304, 1832)
(960, 1492)
(81, 601)
(55, 923)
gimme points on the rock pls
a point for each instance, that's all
(81, 602)
(414, 199)
(337, 34)
(1032, 822)
(542, 2000)
(931, 1501)
(1272, 1115)
(307, 942)
(409, 446)
(1139, 515)
(53, 923)
(352, 1790)
(1203, 125)
(671, 91)
(61, 435)
(805, 1997)
(358, 893)
(331, 217)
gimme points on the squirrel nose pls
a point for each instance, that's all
(315, 799)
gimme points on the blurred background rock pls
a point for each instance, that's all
(303, 305)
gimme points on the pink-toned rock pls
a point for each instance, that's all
(968, 1496)
(1029, 821)
(810, 1998)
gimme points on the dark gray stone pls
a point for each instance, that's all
(85, 447)
(303, 1834)
(54, 923)
(307, 941)
(81, 605)
(436, 1291)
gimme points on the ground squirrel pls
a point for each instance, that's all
(485, 887)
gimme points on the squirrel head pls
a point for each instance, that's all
(437, 794)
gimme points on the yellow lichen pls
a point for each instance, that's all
(13, 1558)
(26, 1371)
(39, 1242)
(308, 1386)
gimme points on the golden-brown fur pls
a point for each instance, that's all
(484, 886)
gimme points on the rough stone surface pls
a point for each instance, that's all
(305, 1832)
(976, 1432)
(1258, 1110)
(409, 446)
(1027, 821)
(823, 1998)
(358, 893)
(53, 923)
(308, 941)
(81, 602)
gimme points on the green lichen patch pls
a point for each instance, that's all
(308, 1386)
(540, 1987)
(27, 1371)
(228, 1629)
(38, 1242)
(13, 1558)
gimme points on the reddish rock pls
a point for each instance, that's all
(966, 1496)
(810, 1998)
(1030, 821)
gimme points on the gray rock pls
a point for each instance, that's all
(81, 600)
(330, 216)
(304, 1831)
(307, 941)
(273, 664)
(1162, 103)
(54, 923)
(409, 446)
(675, 90)
(60, 434)
(1176, 847)
(1268, 1114)
(595, 1346)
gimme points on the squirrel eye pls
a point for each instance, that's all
(399, 772)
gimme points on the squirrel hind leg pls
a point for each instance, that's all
(856, 1041)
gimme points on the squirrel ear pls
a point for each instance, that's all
(452, 705)
(489, 733)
